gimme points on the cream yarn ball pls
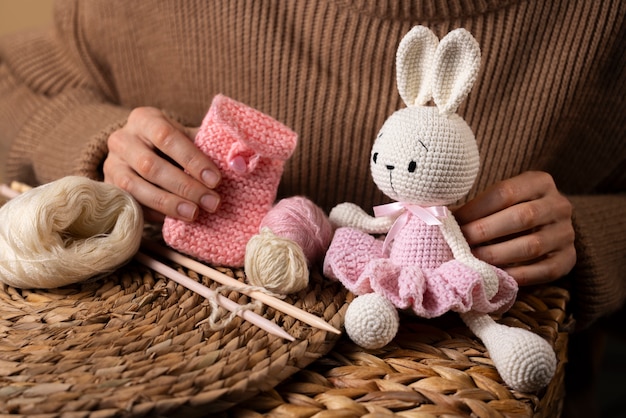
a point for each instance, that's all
(371, 321)
(278, 264)
(294, 235)
(67, 231)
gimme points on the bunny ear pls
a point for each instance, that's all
(456, 66)
(414, 60)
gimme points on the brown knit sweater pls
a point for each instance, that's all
(550, 95)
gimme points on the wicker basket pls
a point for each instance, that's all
(432, 368)
(134, 344)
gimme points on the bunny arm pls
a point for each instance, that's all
(351, 215)
(462, 252)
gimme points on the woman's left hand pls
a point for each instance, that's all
(522, 225)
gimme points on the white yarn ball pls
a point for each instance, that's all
(275, 263)
(371, 321)
(67, 231)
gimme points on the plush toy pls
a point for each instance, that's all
(425, 157)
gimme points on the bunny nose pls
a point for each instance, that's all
(390, 167)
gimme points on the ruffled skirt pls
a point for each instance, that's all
(357, 260)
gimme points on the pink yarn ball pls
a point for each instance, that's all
(299, 219)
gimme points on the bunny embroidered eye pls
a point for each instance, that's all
(412, 166)
(375, 157)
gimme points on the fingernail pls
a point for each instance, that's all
(210, 178)
(210, 202)
(186, 210)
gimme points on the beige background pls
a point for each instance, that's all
(17, 15)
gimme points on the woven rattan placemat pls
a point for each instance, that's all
(137, 344)
(433, 368)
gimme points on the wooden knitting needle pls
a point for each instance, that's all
(8, 192)
(202, 290)
(222, 278)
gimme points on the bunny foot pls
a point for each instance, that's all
(525, 361)
(371, 321)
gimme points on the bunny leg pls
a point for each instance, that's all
(371, 321)
(525, 361)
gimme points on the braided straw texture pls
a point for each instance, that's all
(432, 368)
(136, 344)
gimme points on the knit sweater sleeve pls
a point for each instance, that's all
(54, 120)
(597, 282)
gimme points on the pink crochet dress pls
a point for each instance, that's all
(250, 149)
(417, 273)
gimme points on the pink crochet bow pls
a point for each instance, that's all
(429, 214)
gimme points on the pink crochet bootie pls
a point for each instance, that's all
(250, 149)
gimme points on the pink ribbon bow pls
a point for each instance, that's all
(429, 214)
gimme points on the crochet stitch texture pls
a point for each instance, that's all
(419, 273)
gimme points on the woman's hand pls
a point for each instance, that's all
(522, 225)
(148, 158)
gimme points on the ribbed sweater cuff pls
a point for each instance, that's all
(70, 138)
(597, 286)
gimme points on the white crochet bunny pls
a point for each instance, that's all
(426, 157)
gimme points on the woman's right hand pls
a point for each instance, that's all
(153, 158)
